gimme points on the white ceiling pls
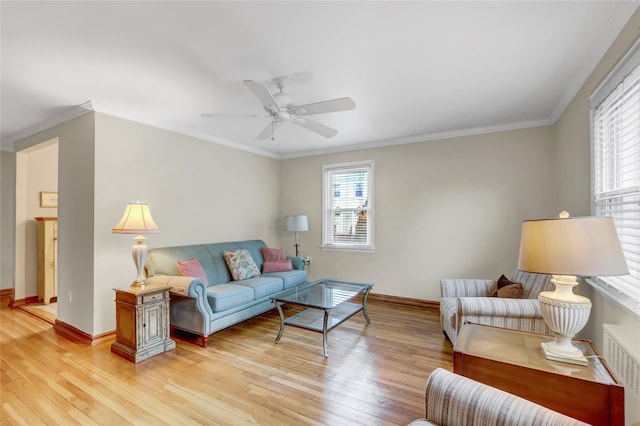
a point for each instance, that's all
(416, 70)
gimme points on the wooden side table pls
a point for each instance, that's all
(512, 360)
(142, 322)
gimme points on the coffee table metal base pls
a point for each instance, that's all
(322, 320)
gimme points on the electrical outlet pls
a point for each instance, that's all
(307, 260)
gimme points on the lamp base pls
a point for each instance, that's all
(137, 283)
(554, 352)
(566, 314)
(139, 254)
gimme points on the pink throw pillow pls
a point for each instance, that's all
(273, 254)
(192, 268)
(276, 266)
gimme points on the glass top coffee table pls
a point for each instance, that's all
(327, 303)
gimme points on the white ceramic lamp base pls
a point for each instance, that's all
(566, 314)
(139, 253)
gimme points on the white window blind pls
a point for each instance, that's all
(348, 206)
(615, 140)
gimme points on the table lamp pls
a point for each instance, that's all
(137, 220)
(295, 224)
(566, 248)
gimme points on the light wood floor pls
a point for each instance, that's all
(375, 374)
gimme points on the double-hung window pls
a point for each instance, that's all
(347, 206)
(615, 156)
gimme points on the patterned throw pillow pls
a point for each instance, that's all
(241, 264)
(192, 268)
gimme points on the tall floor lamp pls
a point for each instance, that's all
(137, 220)
(564, 248)
(296, 224)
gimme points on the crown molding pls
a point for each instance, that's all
(128, 115)
(77, 111)
(427, 137)
(90, 106)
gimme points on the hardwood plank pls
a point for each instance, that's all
(375, 374)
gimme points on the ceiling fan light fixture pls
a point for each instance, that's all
(280, 108)
(283, 99)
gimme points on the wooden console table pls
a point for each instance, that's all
(512, 360)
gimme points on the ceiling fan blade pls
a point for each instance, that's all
(269, 130)
(334, 105)
(232, 115)
(262, 92)
(315, 127)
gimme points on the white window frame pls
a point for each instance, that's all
(327, 211)
(623, 290)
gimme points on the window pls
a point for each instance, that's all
(615, 156)
(347, 206)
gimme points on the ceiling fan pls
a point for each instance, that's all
(280, 108)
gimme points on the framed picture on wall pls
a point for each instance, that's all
(48, 199)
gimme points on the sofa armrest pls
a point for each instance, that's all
(183, 286)
(298, 262)
(499, 307)
(467, 287)
(452, 399)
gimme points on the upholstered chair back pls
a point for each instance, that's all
(532, 284)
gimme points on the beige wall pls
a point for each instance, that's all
(572, 134)
(7, 219)
(75, 216)
(198, 192)
(447, 208)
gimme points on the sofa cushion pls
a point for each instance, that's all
(226, 296)
(290, 278)
(241, 264)
(262, 286)
(192, 268)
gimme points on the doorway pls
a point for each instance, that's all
(36, 200)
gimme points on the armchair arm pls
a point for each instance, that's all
(467, 287)
(518, 314)
(184, 286)
(298, 262)
(452, 399)
(499, 307)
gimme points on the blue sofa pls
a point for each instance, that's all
(203, 310)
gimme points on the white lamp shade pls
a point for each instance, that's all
(136, 220)
(297, 223)
(582, 246)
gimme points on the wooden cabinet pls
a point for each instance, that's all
(47, 259)
(142, 322)
(512, 360)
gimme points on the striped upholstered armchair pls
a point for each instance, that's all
(453, 400)
(470, 300)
